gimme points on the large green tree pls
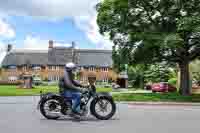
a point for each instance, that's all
(154, 31)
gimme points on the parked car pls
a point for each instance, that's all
(163, 87)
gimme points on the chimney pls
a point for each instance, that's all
(73, 44)
(9, 47)
(50, 43)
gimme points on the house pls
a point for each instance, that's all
(49, 64)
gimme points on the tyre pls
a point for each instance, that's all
(53, 105)
(103, 103)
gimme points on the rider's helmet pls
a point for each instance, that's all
(70, 66)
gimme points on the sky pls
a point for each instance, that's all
(29, 24)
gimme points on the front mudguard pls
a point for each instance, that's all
(98, 97)
(104, 94)
(48, 95)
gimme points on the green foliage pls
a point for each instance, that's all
(159, 73)
(173, 81)
(150, 31)
(140, 74)
(136, 75)
(156, 97)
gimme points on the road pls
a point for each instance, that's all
(19, 115)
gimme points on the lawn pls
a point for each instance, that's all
(157, 97)
(14, 91)
(154, 97)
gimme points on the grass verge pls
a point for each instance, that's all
(154, 97)
(14, 91)
(157, 97)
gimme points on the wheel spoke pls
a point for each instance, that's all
(52, 108)
(102, 107)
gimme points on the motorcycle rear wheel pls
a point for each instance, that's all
(43, 111)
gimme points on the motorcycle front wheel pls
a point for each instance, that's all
(103, 108)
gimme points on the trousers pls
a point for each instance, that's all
(76, 99)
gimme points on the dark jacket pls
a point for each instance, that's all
(68, 83)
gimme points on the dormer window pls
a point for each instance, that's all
(92, 68)
(12, 67)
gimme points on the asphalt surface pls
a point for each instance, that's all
(19, 115)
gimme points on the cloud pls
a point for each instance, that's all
(89, 26)
(36, 43)
(82, 11)
(2, 51)
(6, 31)
(47, 8)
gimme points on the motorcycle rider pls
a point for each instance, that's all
(72, 87)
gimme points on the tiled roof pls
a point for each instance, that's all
(59, 56)
(95, 58)
(21, 58)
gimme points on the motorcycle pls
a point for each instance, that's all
(53, 106)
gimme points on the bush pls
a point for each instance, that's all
(53, 83)
(172, 81)
(44, 83)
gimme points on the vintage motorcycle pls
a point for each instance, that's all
(53, 106)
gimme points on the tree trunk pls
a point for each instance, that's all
(184, 79)
(142, 82)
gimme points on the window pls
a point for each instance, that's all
(57, 67)
(57, 78)
(53, 68)
(84, 78)
(91, 68)
(54, 78)
(106, 79)
(12, 78)
(12, 68)
(25, 68)
(104, 69)
(81, 68)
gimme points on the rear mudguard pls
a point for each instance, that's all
(49, 95)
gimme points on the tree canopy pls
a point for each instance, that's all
(152, 31)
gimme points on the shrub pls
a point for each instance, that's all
(172, 81)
